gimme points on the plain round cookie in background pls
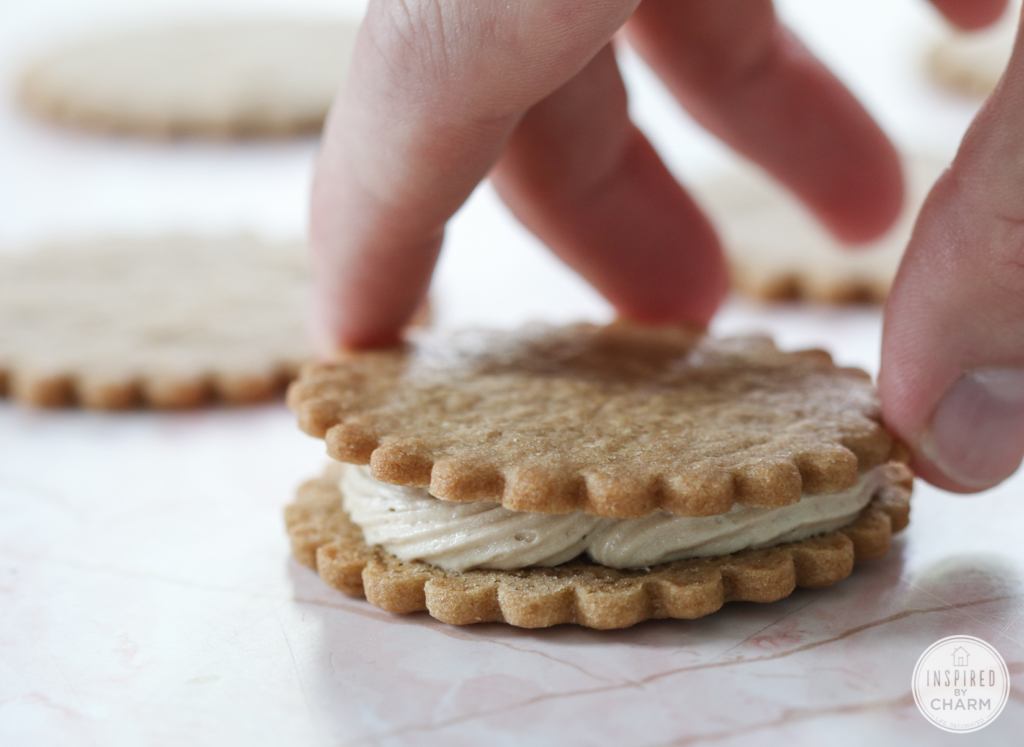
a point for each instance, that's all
(164, 322)
(778, 251)
(229, 79)
(971, 63)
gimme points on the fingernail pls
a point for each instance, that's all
(976, 435)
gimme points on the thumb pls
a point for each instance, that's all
(952, 377)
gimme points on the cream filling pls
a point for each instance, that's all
(413, 525)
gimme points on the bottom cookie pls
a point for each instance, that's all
(582, 592)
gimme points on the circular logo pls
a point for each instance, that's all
(961, 683)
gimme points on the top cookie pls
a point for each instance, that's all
(228, 79)
(619, 421)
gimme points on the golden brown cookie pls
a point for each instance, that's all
(778, 251)
(169, 322)
(619, 421)
(217, 79)
(581, 592)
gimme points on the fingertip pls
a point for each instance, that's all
(858, 195)
(321, 327)
(869, 197)
(329, 339)
(942, 459)
(927, 471)
(971, 15)
(933, 470)
(952, 377)
(976, 434)
(667, 307)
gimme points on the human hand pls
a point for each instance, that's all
(441, 93)
(952, 376)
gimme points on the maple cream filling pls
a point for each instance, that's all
(411, 524)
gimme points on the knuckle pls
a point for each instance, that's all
(414, 39)
(442, 46)
(508, 54)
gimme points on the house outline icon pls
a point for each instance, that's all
(960, 656)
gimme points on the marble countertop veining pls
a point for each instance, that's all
(147, 594)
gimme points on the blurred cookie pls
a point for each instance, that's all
(228, 79)
(598, 475)
(778, 251)
(170, 322)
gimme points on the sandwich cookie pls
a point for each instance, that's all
(593, 475)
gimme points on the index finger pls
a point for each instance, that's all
(434, 92)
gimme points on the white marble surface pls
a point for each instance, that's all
(146, 590)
